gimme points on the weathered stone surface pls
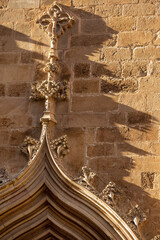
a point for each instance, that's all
(100, 150)
(110, 69)
(81, 70)
(2, 90)
(121, 23)
(86, 86)
(92, 103)
(114, 85)
(3, 4)
(126, 39)
(139, 9)
(18, 90)
(114, 46)
(93, 40)
(23, 4)
(147, 179)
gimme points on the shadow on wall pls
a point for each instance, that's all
(115, 149)
(90, 37)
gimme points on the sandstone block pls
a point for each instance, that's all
(134, 68)
(121, 23)
(147, 179)
(156, 149)
(108, 10)
(138, 9)
(116, 54)
(153, 101)
(94, 103)
(138, 118)
(17, 137)
(6, 29)
(25, 57)
(13, 106)
(18, 73)
(110, 69)
(120, 134)
(100, 150)
(5, 122)
(93, 40)
(90, 135)
(117, 86)
(18, 90)
(108, 135)
(93, 26)
(4, 137)
(86, 86)
(133, 149)
(44, 3)
(150, 23)
(22, 30)
(84, 54)
(82, 70)
(23, 4)
(130, 102)
(12, 15)
(118, 117)
(2, 90)
(71, 166)
(126, 39)
(9, 58)
(84, 120)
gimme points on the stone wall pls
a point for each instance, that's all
(111, 57)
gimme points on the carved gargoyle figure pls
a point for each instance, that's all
(87, 179)
(60, 146)
(3, 176)
(111, 194)
(136, 216)
(30, 146)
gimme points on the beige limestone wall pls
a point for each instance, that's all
(112, 58)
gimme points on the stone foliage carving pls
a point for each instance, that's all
(87, 179)
(115, 197)
(3, 176)
(44, 89)
(147, 179)
(30, 146)
(135, 216)
(60, 146)
(111, 194)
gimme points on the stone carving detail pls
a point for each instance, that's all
(87, 179)
(30, 146)
(3, 176)
(111, 194)
(55, 21)
(60, 146)
(57, 90)
(157, 237)
(135, 217)
(147, 179)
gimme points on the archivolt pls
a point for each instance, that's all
(43, 203)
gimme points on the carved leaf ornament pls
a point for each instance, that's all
(41, 202)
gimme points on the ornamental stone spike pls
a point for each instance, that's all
(55, 22)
